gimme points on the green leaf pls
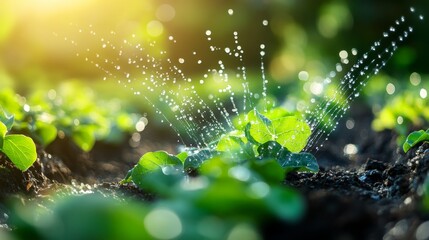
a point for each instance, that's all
(157, 171)
(21, 150)
(6, 119)
(3, 131)
(269, 170)
(290, 131)
(414, 138)
(84, 137)
(182, 156)
(272, 149)
(153, 161)
(194, 161)
(299, 162)
(230, 141)
(262, 118)
(46, 132)
(288, 160)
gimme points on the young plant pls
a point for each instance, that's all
(20, 149)
(404, 112)
(415, 138)
(237, 180)
(279, 137)
(70, 111)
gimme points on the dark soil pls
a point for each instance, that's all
(372, 195)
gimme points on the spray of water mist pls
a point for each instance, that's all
(198, 119)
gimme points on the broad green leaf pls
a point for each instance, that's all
(157, 171)
(290, 131)
(152, 161)
(414, 138)
(21, 150)
(230, 141)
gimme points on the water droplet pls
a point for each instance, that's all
(208, 33)
(390, 88)
(230, 12)
(423, 93)
(343, 54)
(265, 22)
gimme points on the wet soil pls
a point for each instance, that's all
(374, 194)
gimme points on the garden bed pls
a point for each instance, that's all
(372, 195)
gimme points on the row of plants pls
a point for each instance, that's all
(227, 191)
(70, 111)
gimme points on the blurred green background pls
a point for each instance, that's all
(45, 42)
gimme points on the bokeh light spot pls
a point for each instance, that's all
(154, 28)
(163, 224)
(165, 13)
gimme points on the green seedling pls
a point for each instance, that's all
(279, 139)
(402, 113)
(20, 149)
(238, 178)
(415, 138)
(70, 111)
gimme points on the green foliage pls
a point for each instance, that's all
(248, 193)
(404, 112)
(288, 160)
(20, 149)
(238, 180)
(252, 145)
(84, 217)
(415, 138)
(288, 130)
(70, 111)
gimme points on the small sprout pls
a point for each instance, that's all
(415, 138)
(20, 149)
